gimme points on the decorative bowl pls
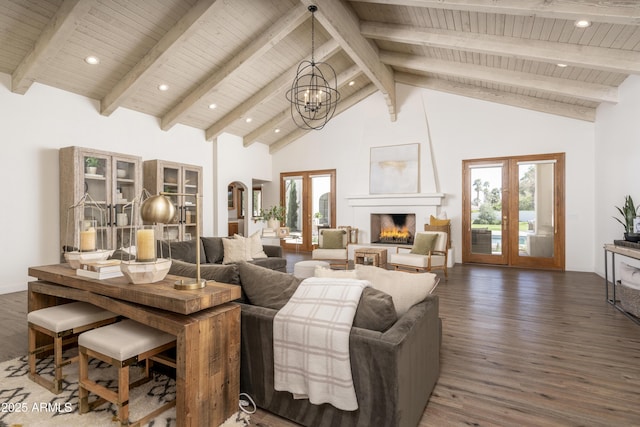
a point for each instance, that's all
(76, 258)
(121, 173)
(145, 272)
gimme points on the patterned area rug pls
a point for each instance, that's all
(25, 403)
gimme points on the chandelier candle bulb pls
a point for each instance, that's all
(145, 245)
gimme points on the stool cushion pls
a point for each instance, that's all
(304, 269)
(64, 317)
(124, 340)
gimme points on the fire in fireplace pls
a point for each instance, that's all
(393, 228)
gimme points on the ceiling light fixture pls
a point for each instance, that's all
(212, 106)
(561, 65)
(248, 120)
(163, 87)
(277, 130)
(313, 99)
(93, 60)
(351, 83)
(582, 23)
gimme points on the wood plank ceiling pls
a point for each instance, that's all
(228, 63)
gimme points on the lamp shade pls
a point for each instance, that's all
(158, 209)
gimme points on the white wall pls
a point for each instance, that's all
(460, 128)
(617, 154)
(34, 126)
(236, 163)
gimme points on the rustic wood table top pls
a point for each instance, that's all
(160, 295)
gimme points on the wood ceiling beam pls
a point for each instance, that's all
(625, 12)
(342, 24)
(564, 87)
(492, 95)
(258, 47)
(51, 40)
(160, 54)
(342, 106)
(274, 88)
(612, 60)
(275, 122)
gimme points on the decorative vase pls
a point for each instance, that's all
(273, 224)
(91, 170)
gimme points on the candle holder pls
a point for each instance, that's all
(146, 267)
(85, 238)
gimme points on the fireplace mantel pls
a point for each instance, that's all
(373, 200)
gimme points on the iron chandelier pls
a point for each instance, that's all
(312, 96)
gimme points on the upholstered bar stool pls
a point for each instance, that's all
(121, 345)
(62, 323)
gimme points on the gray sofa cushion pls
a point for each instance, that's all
(184, 251)
(272, 263)
(266, 288)
(214, 249)
(375, 311)
(220, 273)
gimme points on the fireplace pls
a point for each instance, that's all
(393, 229)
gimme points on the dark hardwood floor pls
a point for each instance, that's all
(519, 348)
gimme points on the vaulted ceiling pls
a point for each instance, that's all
(228, 63)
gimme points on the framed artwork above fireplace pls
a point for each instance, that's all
(394, 169)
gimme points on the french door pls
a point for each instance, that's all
(309, 199)
(513, 211)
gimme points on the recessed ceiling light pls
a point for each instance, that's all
(277, 130)
(582, 23)
(212, 106)
(93, 60)
(562, 65)
(248, 120)
(163, 87)
(351, 83)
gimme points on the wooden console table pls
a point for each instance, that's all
(624, 251)
(204, 321)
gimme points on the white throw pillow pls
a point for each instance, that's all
(257, 251)
(235, 250)
(327, 272)
(406, 289)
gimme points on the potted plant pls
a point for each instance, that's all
(628, 213)
(273, 215)
(91, 164)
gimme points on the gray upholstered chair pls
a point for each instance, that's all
(428, 253)
(332, 247)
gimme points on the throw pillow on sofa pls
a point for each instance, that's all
(406, 289)
(375, 311)
(220, 273)
(235, 250)
(267, 288)
(254, 246)
(184, 251)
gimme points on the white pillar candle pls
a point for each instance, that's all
(88, 240)
(145, 247)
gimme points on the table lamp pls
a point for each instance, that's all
(160, 209)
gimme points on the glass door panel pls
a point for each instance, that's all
(294, 209)
(321, 204)
(170, 184)
(485, 225)
(190, 181)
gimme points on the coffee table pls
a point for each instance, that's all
(371, 256)
(204, 321)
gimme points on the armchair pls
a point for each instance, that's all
(332, 247)
(429, 252)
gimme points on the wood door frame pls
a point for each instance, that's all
(510, 185)
(307, 203)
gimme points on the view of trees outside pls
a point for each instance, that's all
(486, 207)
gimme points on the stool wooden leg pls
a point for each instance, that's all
(83, 393)
(123, 395)
(32, 352)
(57, 358)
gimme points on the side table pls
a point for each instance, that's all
(371, 256)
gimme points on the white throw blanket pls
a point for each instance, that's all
(311, 341)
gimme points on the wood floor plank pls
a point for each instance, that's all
(519, 348)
